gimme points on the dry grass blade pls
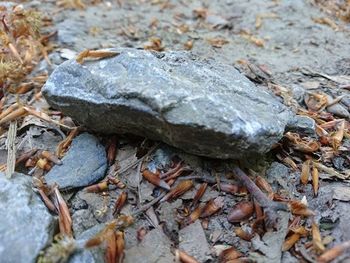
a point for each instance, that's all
(178, 190)
(64, 220)
(45, 117)
(95, 54)
(155, 180)
(44, 191)
(8, 110)
(334, 252)
(20, 112)
(316, 238)
(315, 180)
(120, 202)
(11, 149)
(305, 172)
(330, 171)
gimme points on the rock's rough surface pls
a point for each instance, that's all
(85, 163)
(199, 105)
(193, 242)
(26, 226)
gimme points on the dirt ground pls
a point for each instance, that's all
(295, 48)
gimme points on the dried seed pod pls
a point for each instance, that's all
(120, 244)
(120, 202)
(200, 192)
(290, 241)
(334, 252)
(178, 190)
(229, 188)
(141, 232)
(43, 163)
(116, 182)
(64, 218)
(155, 180)
(299, 208)
(240, 212)
(305, 172)
(229, 254)
(99, 187)
(196, 213)
(243, 234)
(51, 157)
(184, 257)
(112, 150)
(212, 206)
(316, 238)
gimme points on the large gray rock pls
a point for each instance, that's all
(26, 226)
(85, 163)
(198, 105)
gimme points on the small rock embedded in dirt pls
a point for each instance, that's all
(302, 124)
(155, 247)
(26, 226)
(198, 105)
(193, 242)
(85, 163)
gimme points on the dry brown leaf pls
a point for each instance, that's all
(154, 43)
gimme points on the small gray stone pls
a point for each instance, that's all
(85, 163)
(88, 255)
(155, 247)
(198, 105)
(302, 124)
(193, 242)
(26, 226)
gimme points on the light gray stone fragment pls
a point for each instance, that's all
(198, 105)
(193, 242)
(85, 163)
(155, 247)
(26, 226)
